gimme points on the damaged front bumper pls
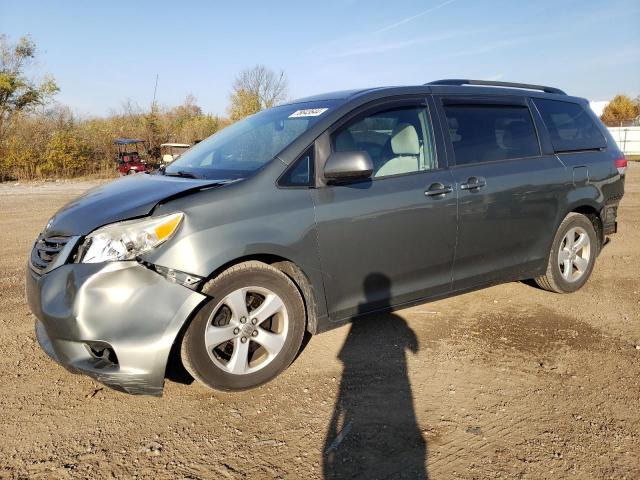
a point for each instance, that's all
(115, 321)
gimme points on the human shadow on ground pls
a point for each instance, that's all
(374, 432)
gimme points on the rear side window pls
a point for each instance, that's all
(484, 132)
(570, 126)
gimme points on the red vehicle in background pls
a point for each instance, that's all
(128, 158)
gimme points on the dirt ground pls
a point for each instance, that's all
(506, 382)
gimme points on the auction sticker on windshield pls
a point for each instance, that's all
(309, 112)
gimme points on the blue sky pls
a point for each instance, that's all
(103, 53)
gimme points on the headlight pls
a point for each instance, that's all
(127, 240)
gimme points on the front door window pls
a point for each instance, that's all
(399, 141)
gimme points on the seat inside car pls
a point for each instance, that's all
(517, 141)
(405, 148)
(345, 142)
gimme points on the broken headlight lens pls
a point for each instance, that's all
(127, 240)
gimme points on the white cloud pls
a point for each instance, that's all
(373, 42)
(413, 17)
(508, 42)
(366, 48)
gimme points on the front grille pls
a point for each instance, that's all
(45, 251)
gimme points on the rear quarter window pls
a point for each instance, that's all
(570, 126)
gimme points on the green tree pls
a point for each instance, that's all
(18, 159)
(242, 104)
(66, 155)
(152, 131)
(255, 89)
(619, 111)
(17, 92)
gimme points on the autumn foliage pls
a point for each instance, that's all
(55, 143)
(41, 139)
(620, 111)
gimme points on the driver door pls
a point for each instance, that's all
(390, 239)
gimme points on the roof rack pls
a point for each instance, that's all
(490, 83)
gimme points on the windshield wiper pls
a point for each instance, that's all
(181, 173)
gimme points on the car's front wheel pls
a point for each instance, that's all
(248, 332)
(572, 257)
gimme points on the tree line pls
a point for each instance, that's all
(40, 138)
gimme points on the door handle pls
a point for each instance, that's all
(438, 189)
(473, 183)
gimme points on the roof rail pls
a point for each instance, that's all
(490, 83)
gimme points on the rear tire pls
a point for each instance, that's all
(235, 342)
(572, 257)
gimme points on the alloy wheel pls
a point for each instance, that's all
(574, 254)
(246, 330)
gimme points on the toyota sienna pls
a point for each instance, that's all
(272, 228)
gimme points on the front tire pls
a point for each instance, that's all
(248, 332)
(572, 257)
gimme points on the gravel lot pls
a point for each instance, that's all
(510, 381)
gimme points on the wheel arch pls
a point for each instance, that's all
(589, 209)
(293, 271)
(174, 369)
(552, 279)
(593, 212)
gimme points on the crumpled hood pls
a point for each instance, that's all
(128, 197)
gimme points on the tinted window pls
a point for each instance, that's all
(570, 126)
(302, 172)
(482, 133)
(398, 141)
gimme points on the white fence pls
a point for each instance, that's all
(627, 138)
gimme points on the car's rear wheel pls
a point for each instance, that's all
(573, 255)
(248, 332)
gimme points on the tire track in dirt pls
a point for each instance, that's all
(507, 382)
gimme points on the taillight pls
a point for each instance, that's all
(621, 165)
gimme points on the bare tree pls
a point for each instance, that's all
(255, 89)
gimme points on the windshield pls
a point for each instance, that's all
(242, 148)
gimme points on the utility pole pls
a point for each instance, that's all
(152, 125)
(155, 90)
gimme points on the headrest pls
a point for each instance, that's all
(513, 134)
(404, 140)
(345, 142)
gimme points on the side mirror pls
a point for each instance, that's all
(345, 166)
